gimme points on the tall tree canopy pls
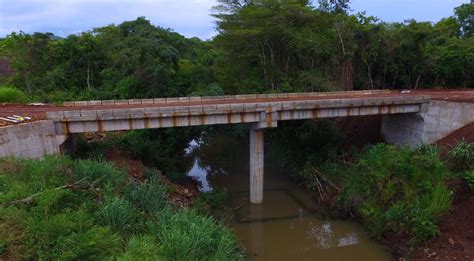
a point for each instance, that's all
(261, 46)
(291, 45)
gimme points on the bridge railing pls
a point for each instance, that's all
(174, 100)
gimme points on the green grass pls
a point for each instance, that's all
(214, 199)
(100, 214)
(398, 190)
(12, 95)
(468, 177)
(461, 157)
(187, 235)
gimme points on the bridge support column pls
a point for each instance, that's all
(256, 165)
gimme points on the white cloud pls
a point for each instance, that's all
(189, 17)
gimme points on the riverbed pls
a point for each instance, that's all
(285, 226)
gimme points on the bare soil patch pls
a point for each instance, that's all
(179, 195)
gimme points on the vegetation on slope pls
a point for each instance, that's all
(59, 208)
(394, 192)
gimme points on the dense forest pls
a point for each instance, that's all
(261, 46)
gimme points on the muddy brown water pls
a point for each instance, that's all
(285, 226)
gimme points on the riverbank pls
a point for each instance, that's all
(404, 200)
(59, 208)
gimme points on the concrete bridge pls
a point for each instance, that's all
(56, 123)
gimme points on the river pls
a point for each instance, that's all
(284, 227)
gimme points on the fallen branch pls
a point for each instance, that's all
(319, 186)
(319, 174)
(29, 199)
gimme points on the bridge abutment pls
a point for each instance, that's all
(430, 125)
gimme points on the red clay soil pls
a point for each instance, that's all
(179, 195)
(465, 133)
(123, 160)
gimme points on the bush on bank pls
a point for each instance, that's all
(59, 208)
(398, 190)
(12, 95)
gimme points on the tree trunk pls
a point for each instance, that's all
(347, 70)
(347, 76)
(417, 80)
(27, 82)
(261, 55)
(88, 77)
(272, 59)
(369, 74)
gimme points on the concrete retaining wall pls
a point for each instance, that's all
(441, 119)
(30, 140)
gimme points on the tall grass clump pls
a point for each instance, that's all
(461, 157)
(187, 235)
(461, 161)
(12, 95)
(149, 196)
(398, 190)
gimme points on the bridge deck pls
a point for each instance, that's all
(39, 112)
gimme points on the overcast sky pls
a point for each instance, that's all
(188, 17)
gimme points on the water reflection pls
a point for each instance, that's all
(284, 226)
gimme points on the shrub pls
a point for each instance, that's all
(12, 95)
(461, 157)
(186, 235)
(398, 190)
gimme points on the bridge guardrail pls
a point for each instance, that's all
(173, 100)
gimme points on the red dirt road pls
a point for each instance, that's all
(39, 112)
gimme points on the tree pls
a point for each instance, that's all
(335, 6)
(465, 15)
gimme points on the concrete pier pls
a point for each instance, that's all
(256, 164)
